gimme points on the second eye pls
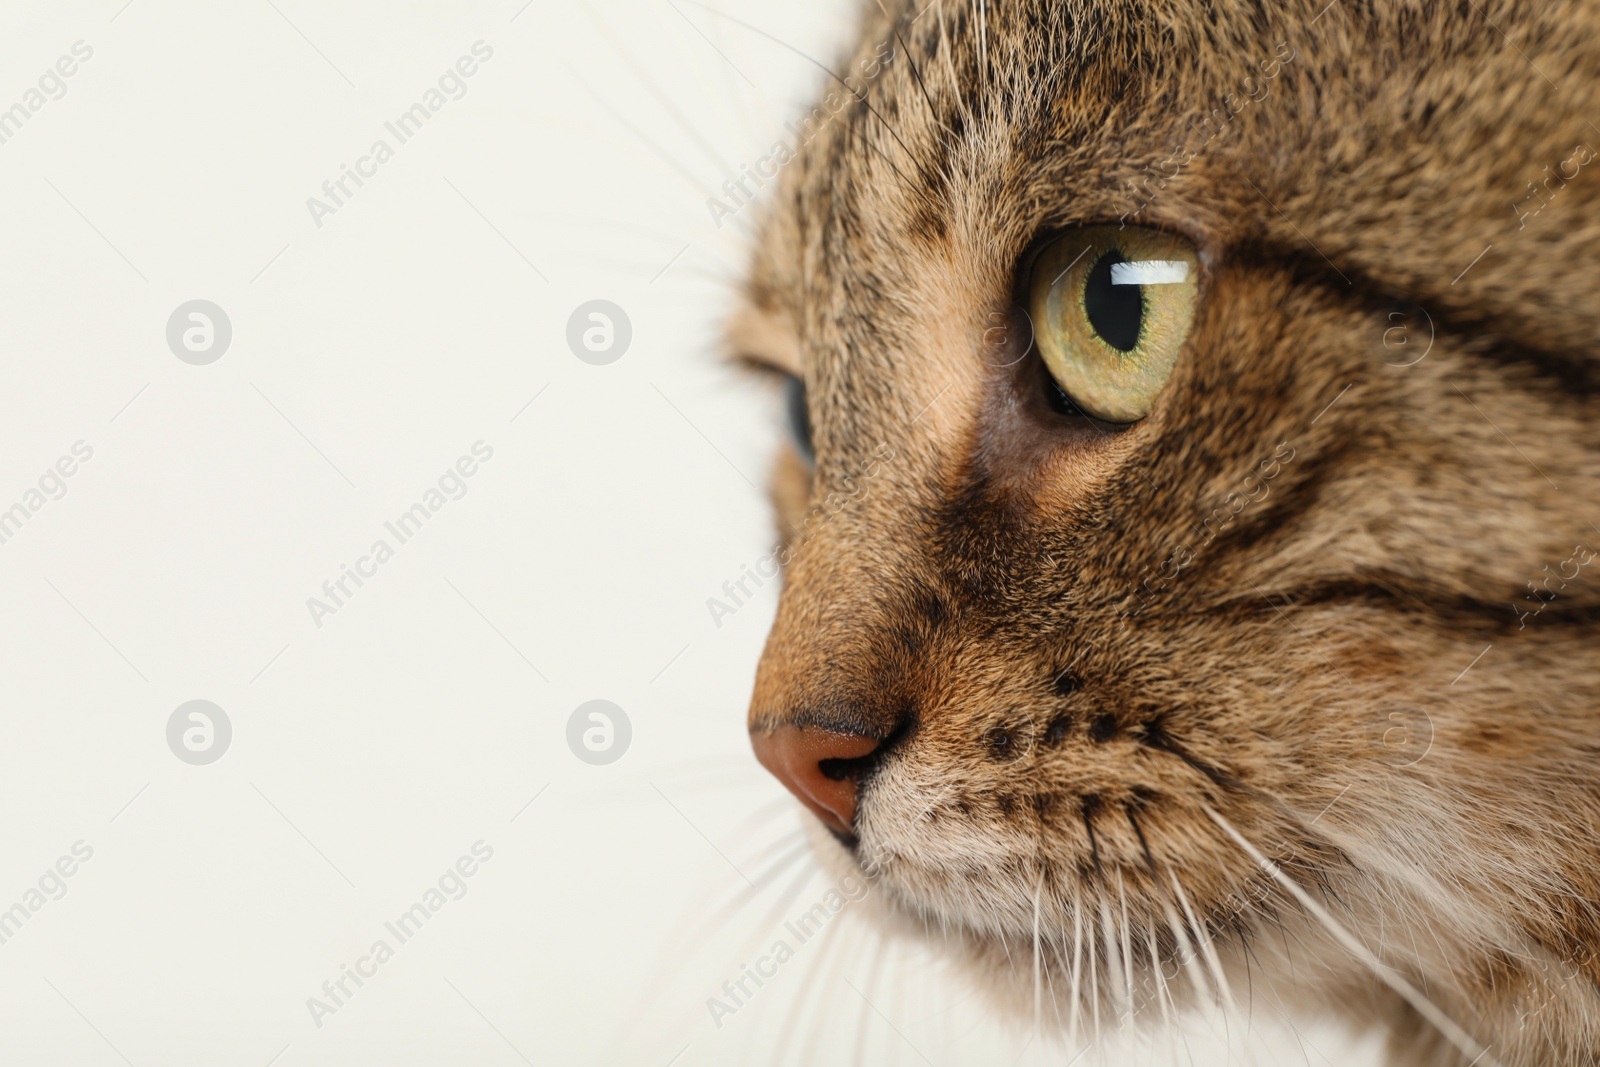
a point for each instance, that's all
(799, 416)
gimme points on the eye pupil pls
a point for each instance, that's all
(1111, 309)
(1115, 311)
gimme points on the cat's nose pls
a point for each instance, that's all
(819, 766)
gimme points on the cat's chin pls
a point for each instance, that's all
(976, 953)
(981, 932)
(996, 968)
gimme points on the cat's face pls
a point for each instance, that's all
(1084, 652)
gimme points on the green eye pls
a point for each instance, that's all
(1111, 309)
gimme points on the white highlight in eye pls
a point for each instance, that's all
(1150, 272)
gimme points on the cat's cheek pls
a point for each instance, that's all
(1279, 456)
(1279, 52)
(1263, 68)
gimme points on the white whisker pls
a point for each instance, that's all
(1077, 968)
(1163, 995)
(1127, 947)
(1187, 952)
(871, 981)
(1038, 984)
(1447, 1026)
(1113, 951)
(1094, 988)
(1208, 951)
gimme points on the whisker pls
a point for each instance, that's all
(983, 44)
(768, 811)
(716, 916)
(861, 96)
(1188, 952)
(1077, 966)
(1113, 949)
(809, 986)
(741, 98)
(1127, 949)
(786, 899)
(1094, 988)
(794, 853)
(1208, 951)
(1038, 985)
(1163, 994)
(955, 82)
(1395, 981)
(656, 150)
(905, 49)
(661, 97)
(864, 1015)
(1057, 960)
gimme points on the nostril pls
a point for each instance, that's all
(820, 767)
(837, 769)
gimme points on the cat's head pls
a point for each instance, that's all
(1176, 460)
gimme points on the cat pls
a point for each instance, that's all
(1189, 525)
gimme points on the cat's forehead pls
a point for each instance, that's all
(957, 134)
(928, 165)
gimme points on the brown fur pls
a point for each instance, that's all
(995, 587)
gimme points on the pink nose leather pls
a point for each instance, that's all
(794, 754)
